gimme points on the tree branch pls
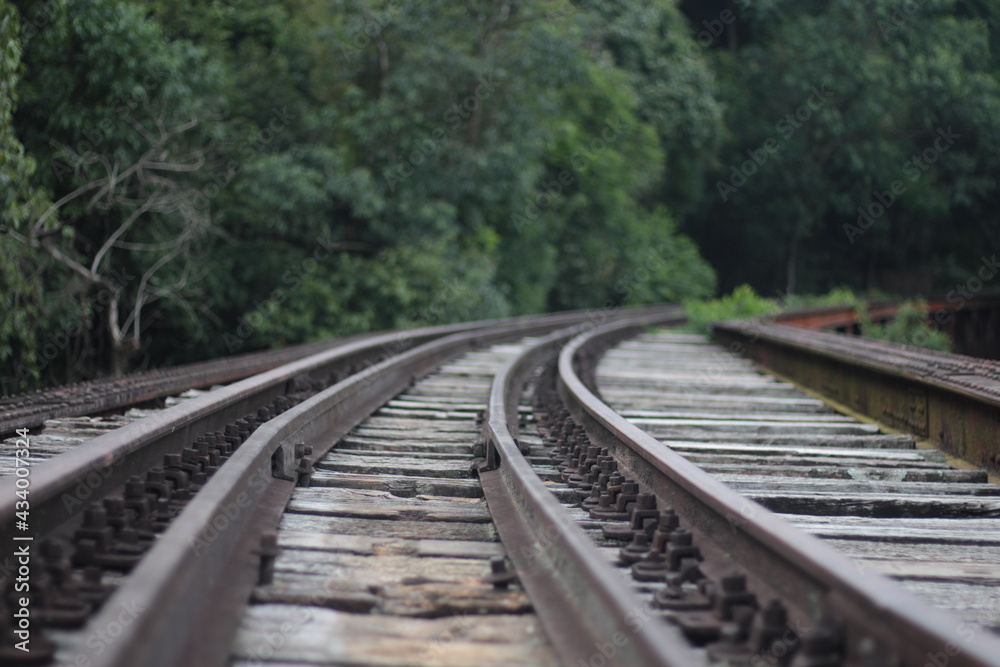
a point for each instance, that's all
(118, 233)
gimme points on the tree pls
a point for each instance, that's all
(863, 146)
(117, 108)
(19, 202)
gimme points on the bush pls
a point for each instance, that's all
(908, 327)
(744, 302)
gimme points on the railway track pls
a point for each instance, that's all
(60, 418)
(426, 510)
(110, 396)
(898, 510)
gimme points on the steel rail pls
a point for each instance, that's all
(950, 399)
(810, 576)
(63, 486)
(29, 411)
(190, 587)
(586, 608)
(969, 376)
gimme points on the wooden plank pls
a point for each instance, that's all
(402, 441)
(791, 450)
(974, 603)
(754, 483)
(901, 474)
(322, 636)
(866, 441)
(973, 573)
(456, 415)
(338, 461)
(412, 426)
(379, 569)
(984, 532)
(412, 403)
(432, 530)
(435, 600)
(753, 426)
(416, 452)
(324, 502)
(735, 413)
(403, 487)
(421, 600)
(920, 551)
(750, 462)
(367, 545)
(876, 505)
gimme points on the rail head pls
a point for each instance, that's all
(556, 561)
(815, 578)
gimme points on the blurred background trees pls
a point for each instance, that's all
(913, 101)
(183, 179)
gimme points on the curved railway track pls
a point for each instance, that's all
(427, 510)
(109, 395)
(112, 395)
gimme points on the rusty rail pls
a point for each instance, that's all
(555, 560)
(814, 580)
(949, 399)
(31, 410)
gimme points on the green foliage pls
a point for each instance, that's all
(742, 303)
(273, 171)
(372, 164)
(857, 97)
(20, 298)
(838, 296)
(910, 326)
